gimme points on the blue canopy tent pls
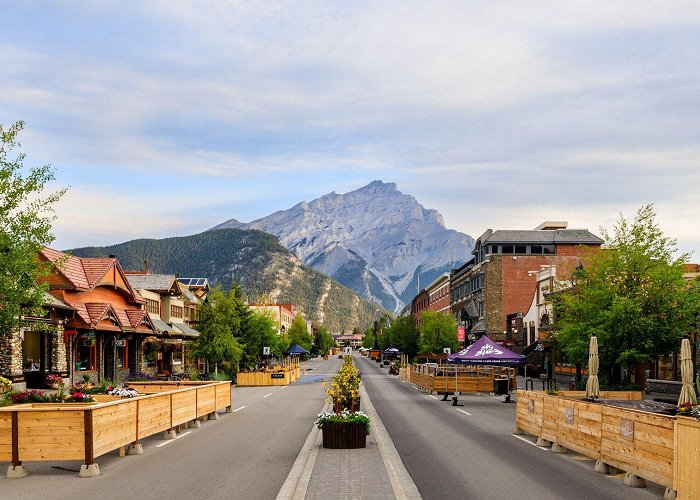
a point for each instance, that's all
(296, 349)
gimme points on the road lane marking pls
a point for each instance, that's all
(466, 413)
(171, 440)
(434, 397)
(266, 395)
(528, 442)
(234, 411)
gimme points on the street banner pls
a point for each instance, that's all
(460, 333)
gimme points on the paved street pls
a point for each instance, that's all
(247, 454)
(470, 452)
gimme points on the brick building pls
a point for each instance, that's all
(439, 294)
(492, 293)
(418, 305)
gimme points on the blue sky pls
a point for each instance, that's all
(166, 118)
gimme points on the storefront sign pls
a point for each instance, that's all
(460, 333)
(277, 375)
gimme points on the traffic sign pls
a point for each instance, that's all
(266, 351)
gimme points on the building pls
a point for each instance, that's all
(439, 294)
(419, 304)
(494, 292)
(172, 307)
(353, 340)
(283, 314)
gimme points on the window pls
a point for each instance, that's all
(506, 248)
(177, 355)
(86, 353)
(121, 359)
(520, 249)
(176, 311)
(548, 249)
(536, 249)
(153, 306)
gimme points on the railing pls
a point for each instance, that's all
(458, 378)
(84, 431)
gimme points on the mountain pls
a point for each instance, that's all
(258, 262)
(375, 240)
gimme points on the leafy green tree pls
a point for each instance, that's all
(437, 331)
(368, 340)
(25, 229)
(324, 340)
(219, 327)
(298, 334)
(261, 332)
(405, 335)
(631, 295)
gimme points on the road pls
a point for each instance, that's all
(470, 452)
(247, 454)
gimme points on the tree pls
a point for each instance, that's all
(632, 296)
(220, 324)
(368, 340)
(298, 334)
(261, 332)
(25, 229)
(437, 331)
(405, 335)
(324, 340)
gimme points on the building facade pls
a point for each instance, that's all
(283, 314)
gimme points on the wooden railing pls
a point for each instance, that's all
(84, 431)
(638, 442)
(282, 376)
(455, 378)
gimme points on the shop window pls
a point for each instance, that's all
(86, 353)
(548, 249)
(520, 249)
(150, 350)
(536, 249)
(506, 248)
(177, 356)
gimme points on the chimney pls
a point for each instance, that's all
(112, 256)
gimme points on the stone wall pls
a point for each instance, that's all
(11, 355)
(59, 361)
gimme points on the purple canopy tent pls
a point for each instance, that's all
(486, 352)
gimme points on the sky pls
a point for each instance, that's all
(166, 118)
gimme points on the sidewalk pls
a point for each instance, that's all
(374, 472)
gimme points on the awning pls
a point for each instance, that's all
(480, 327)
(161, 325)
(296, 349)
(486, 352)
(185, 330)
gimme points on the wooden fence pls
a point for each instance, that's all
(84, 431)
(454, 378)
(283, 376)
(637, 442)
(686, 466)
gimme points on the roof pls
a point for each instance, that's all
(51, 301)
(84, 273)
(93, 312)
(348, 337)
(194, 282)
(152, 282)
(161, 325)
(185, 329)
(559, 236)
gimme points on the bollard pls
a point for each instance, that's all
(454, 401)
(444, 398)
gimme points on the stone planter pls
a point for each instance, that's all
(344, 435)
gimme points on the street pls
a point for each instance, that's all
(247, 454)
(469, 451)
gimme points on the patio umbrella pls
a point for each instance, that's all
(687, 391)
(592, 387)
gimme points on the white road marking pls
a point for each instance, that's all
(234, 411)
(171, 440)
(528, 442)
(266, 395)
(465, 412)
(434, 397)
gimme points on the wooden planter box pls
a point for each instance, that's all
(344, 435)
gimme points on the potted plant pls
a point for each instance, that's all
(54, 381)
(5, 385)
(344, 430)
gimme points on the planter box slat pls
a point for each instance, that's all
(344, 435)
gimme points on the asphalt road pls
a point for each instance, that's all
(453, 454)
(247, 454)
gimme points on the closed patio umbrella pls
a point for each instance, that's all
(592, 387)
(687, 391)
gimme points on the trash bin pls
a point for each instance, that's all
(500, 386)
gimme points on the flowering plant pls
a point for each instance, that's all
(686, 407)
(32, 396)
(79, 397)
(5, 384)
(344, 388)
(344, 416)
(54, 379)
(126, 392)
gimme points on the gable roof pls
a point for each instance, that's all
(153, 282)
(85, 273)
(559, 236)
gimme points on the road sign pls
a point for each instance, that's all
(266, 351)
(348, 350)
(447, 350)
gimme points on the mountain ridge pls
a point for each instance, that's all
(375, 240)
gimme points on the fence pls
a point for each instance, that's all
(455, 378)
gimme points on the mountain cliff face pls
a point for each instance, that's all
(375, 240)
(258, 262)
